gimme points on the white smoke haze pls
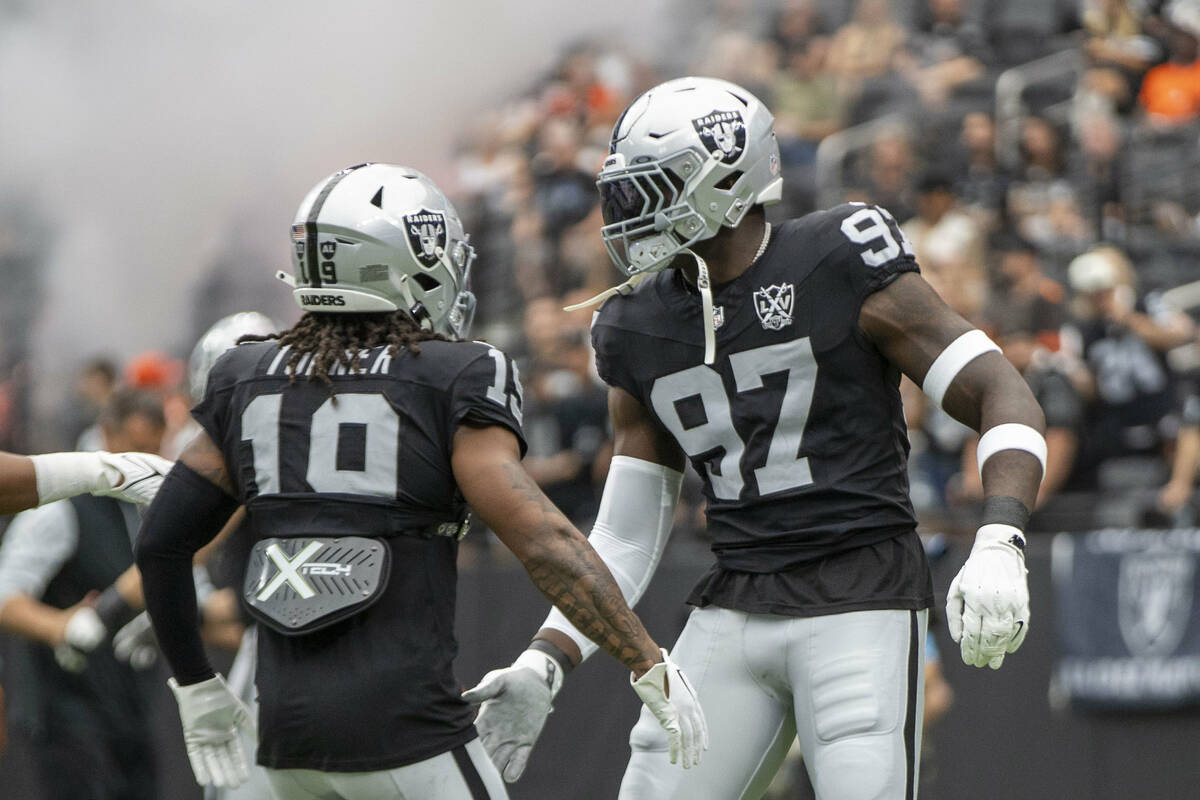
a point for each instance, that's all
(153, 137)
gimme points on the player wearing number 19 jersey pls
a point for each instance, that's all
(769, 357)
(356, 440)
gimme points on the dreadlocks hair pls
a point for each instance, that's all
(335, 339)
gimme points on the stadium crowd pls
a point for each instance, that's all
(1040, 154)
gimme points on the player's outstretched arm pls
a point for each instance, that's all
(29, 481)
(194, 503)
(566, 569)
(962, 371)
(630, 533)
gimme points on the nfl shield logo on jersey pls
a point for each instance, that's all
(773, 305)
(718, 317)
(426, 235)
(723, 133)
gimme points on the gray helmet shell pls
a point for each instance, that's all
(382, 237)
(220, 337)
(688, 157)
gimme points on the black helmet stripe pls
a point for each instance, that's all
(310, 224)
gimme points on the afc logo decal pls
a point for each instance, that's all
(426, 235)
(773, 305)
(722, 133)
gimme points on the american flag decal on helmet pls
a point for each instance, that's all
(298, 232)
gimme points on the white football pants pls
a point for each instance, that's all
(464, 773)
(849, 686)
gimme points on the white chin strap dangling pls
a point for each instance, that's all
(706, 308)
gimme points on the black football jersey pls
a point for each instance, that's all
(796, 428)
(369, 456)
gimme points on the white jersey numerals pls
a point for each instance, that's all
(365, 422)
(785, 468)
(867, 226)
(496, 392)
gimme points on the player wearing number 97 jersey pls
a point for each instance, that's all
(769, 357)
(356, 440)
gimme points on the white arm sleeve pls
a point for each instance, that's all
(631, 530)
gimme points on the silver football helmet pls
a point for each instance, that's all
(381, 237)
(220, 337)
(688, 157)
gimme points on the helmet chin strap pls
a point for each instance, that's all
(625, 288)
(704, 284)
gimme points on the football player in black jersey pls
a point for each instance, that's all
(356, 440)
(769, 358)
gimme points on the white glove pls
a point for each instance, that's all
(666, 692)
(135, 477)
(211, 716)
(135, 643)
(516, 701)
(69, 659)
(987, 608)
(84, 630)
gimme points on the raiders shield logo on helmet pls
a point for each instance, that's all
(723, 133)
(328, 248)
(426, 235)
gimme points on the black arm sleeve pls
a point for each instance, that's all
(185, 515)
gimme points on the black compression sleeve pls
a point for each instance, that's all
(185, 515)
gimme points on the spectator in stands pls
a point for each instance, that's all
(1170, 92)
(1115, 44)
(1178, 492)
(1023, 30)
(564, 192)
(1097, 174)
(1023, 299)
(94, 386)
(86, 713)
(949, 245)
(982, 183)
(887, 177)
(863, 58)
(566, 415)
(1042, 203)
(797, 24)
(806, 103)
(949, 51)
(1133, 409)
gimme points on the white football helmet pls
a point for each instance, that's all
(220, 337)
(378, 238)
(688, 157)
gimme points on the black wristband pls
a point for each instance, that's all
(552, 650)
(1005, 510)
(113, 611)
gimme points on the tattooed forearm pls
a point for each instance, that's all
(573, 577)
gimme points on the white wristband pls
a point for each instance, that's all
(950, 362)
(1011, 436)
(63, 475)
(546, 668)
